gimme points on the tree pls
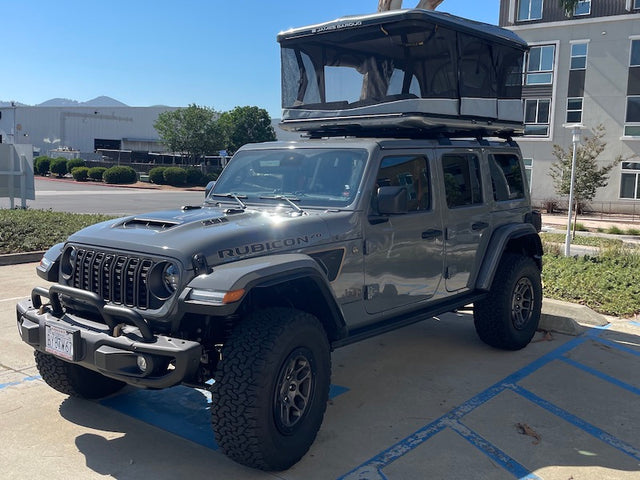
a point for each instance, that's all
(589, 175)
(384, 5)
(193, 130)
(244, 125)
(568, 6)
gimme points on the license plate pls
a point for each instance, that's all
(60, 341)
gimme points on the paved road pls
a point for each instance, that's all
(429, 401)
(69, 196)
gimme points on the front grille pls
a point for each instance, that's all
(117, 278)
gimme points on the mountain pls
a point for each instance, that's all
(102, 101)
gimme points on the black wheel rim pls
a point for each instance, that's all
(522, 303)
(294, 390)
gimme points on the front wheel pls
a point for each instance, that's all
(271, 388)
(74, 380)
(508, 317)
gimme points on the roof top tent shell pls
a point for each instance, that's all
(402, 72)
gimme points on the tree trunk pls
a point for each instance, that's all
(384, 5)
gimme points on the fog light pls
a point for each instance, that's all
(142, 363)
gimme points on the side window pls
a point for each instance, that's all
(411, 172)
(506, 177)
(462, 182)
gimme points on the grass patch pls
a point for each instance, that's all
(33, 230)
(590, 241)
(608, 283)
(613, 230)
(633, 231)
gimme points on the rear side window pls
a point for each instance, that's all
(462, 181)
(506, 177)
(411, 172)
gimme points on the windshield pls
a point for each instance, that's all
(310, 177)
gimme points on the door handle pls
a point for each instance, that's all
(432, 233)
(479, 226)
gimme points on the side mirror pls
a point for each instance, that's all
(208, 188)
(392, 200)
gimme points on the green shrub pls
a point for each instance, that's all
(41, 165)
(613, 230)
(80, 174)
(120, 175)
(156, 175)
(58, 166)
(580, 227)
(175, 176)
(74, 163)
(96, 173)
(194, 176)
(211, 177)
(633, 231)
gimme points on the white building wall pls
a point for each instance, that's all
(605, 98)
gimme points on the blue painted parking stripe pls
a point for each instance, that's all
(618, 346)
(24, 380)
(373, 467)
(635, 324)
(578, 422)
(181, 410)
(601, 376)
(493, 452)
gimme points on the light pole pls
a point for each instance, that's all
(575, 131)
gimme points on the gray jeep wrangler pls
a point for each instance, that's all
(300, 247)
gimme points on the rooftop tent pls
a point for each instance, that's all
(407, 69)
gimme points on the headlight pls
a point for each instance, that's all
(171, 277)
(68, 262)
(164, 280)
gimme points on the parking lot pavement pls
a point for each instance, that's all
(427, 401)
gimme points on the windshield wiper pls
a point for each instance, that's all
(289, 200)
(236, 197)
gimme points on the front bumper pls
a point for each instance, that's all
(111, 348)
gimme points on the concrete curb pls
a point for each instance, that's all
(564, 317)
(16, 258)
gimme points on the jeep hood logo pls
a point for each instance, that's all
(267, 246)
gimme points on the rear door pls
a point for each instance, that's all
(467, 215)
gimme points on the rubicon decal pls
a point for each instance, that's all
(268, 246)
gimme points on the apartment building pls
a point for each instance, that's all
(581, 68)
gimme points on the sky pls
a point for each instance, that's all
(215, 53)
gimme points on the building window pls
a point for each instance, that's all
(634, 59)
(582, 8)
(579, 56)
(574, 110)
(536, 117)
(529, 10)
(632, 119)
(636, 4)
(540, 65)
(629, 180)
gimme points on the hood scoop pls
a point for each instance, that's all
(150, 223)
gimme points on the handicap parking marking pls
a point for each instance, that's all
(183, 411)
(373, 468)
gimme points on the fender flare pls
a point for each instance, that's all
(498, 245)
(264, 272)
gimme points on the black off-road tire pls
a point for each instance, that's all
(271, 388)
(508, 317)
(74, 380)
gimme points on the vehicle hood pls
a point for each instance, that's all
(221, 235)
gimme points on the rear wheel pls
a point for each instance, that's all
(271, 388)
(508, 317)
(73, 379)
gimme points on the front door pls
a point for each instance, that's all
(403, 253)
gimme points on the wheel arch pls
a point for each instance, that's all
(294, 280)
(522, 239)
